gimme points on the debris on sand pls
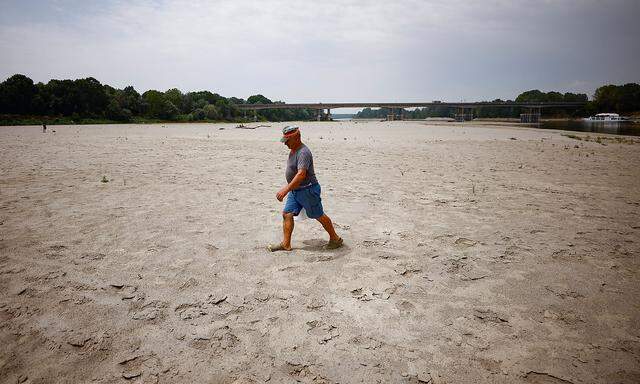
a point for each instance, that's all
(406, 270)
(487, 315)
(241, 126)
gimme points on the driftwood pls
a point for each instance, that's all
(241, 126)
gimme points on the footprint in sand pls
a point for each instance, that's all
(365, 342)
(190, 311)
(220, 340)
(406, 307)
(126, 292)
(90, 257)
(563, 316)
(55, 252)
(150, 311)
(324, 332)
(190, 283)
(490, 316)
(374, 243)
(464, 243)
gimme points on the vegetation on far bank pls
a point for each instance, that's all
(87, 101)
(623, 99)
(69, 120)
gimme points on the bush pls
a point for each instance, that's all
(197, 115)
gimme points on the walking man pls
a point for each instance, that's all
(303, 190)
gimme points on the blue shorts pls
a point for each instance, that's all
(307, 198)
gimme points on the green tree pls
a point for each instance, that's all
(115, 112)
(258, 99)
(618, 98)
(211, 112)
(130, 99)
(176, 98)
(17, 94)
(63, 98)
(531, 96)
(158, 106)
(91, 98)
(197, 114)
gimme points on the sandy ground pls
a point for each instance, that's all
(473, 254)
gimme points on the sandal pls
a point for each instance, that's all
(335, 244)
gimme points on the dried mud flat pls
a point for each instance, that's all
(473, 254)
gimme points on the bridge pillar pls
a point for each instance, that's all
(462, 115)
(255, 115)
(328, 114)
(390, 116)
(320, 112)
(533, 117)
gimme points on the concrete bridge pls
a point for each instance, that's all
(464, 109)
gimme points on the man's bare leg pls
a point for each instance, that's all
(328, 226)
(287, 230)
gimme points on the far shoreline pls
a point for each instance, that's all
(88, 121)
(633, 131)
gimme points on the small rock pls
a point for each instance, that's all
(131, 374)
(215, 300)
(78, 341)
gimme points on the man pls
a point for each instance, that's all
(303, 190)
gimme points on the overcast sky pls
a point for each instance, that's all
(330, 51)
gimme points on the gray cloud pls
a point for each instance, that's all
(330, 51)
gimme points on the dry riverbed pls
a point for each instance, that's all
(473, 254)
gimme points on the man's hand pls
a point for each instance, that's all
(297, 179)
(282, 193)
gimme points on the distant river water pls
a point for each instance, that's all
(628, 128)
(623, 128)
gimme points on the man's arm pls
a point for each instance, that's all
(297, 179)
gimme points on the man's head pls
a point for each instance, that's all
(291, 136)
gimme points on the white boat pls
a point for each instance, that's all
(606, 118)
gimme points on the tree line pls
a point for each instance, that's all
(81, 99)
(609, 98)
(89, 99)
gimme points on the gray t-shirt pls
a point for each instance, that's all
(301, 159)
